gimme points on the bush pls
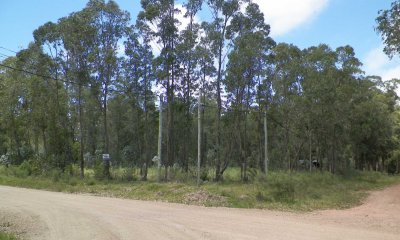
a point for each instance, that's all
(18, 172)
(98, 170)
(128, 174)
(204, 175)
(283, 188)
(284, 192)
(55, 175)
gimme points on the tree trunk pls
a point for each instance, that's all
(218, 172)
(265, 143)
(82, 164)
(106, 139)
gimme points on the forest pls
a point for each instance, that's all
(152, 91)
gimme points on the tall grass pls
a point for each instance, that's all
(301, 191)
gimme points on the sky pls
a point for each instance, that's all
(303, 23)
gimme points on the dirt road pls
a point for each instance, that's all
(57, 216)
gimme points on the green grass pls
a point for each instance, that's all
(7, 236)
(280, 190)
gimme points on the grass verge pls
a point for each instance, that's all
(278, 191)
(7, 236)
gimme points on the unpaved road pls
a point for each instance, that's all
(57, 216)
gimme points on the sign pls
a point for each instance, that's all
(106, 157)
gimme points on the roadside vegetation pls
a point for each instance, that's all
(296, 191)
(266, 124)
(7, 236)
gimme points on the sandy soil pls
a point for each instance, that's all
(50, 215)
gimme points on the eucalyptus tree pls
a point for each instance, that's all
(78, 39)
(186, 54)
(388, 25)
(72, 39)
(136, 84)
(49, 38)
(287, 88)
(13, 110)
(42, 102)
(204, 72)
(222, 13)
(158, 19)
(319, 64)
(247, 63)
(371, 124)
(109, 23)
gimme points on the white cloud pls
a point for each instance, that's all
(286, 15)
(377, 63)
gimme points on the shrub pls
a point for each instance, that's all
(128, 174)
(283, 189)
(204, 175)
(98, 170)
(55, 175)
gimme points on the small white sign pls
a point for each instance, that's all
(106, 156)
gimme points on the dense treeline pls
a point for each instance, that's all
(90, 84)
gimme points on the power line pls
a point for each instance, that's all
(8, 49)
(4, 55)
(36, 74)
(49, 77)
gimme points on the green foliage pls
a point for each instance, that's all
(7, 236)
(388, 26)
(283, 189)
(99, 170)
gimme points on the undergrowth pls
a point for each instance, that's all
(296, 191)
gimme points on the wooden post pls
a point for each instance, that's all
(265, 143)
(160, 125)
(310, 153)
(199, 137)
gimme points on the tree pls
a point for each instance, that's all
(187, 58)
(136, 85)
(159, 21)
(110, 24)
(247, 62)
(222, 12)
(389, 27)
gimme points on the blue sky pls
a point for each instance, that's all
(301, 22)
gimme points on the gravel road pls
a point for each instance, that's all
(58, 216)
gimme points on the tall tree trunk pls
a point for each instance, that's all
(218, 170)
(82, 164)
(146, 130)
(106, 138)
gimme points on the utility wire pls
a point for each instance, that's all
(8, 49)
(36, 74)
(4, 55)
(49, 77)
